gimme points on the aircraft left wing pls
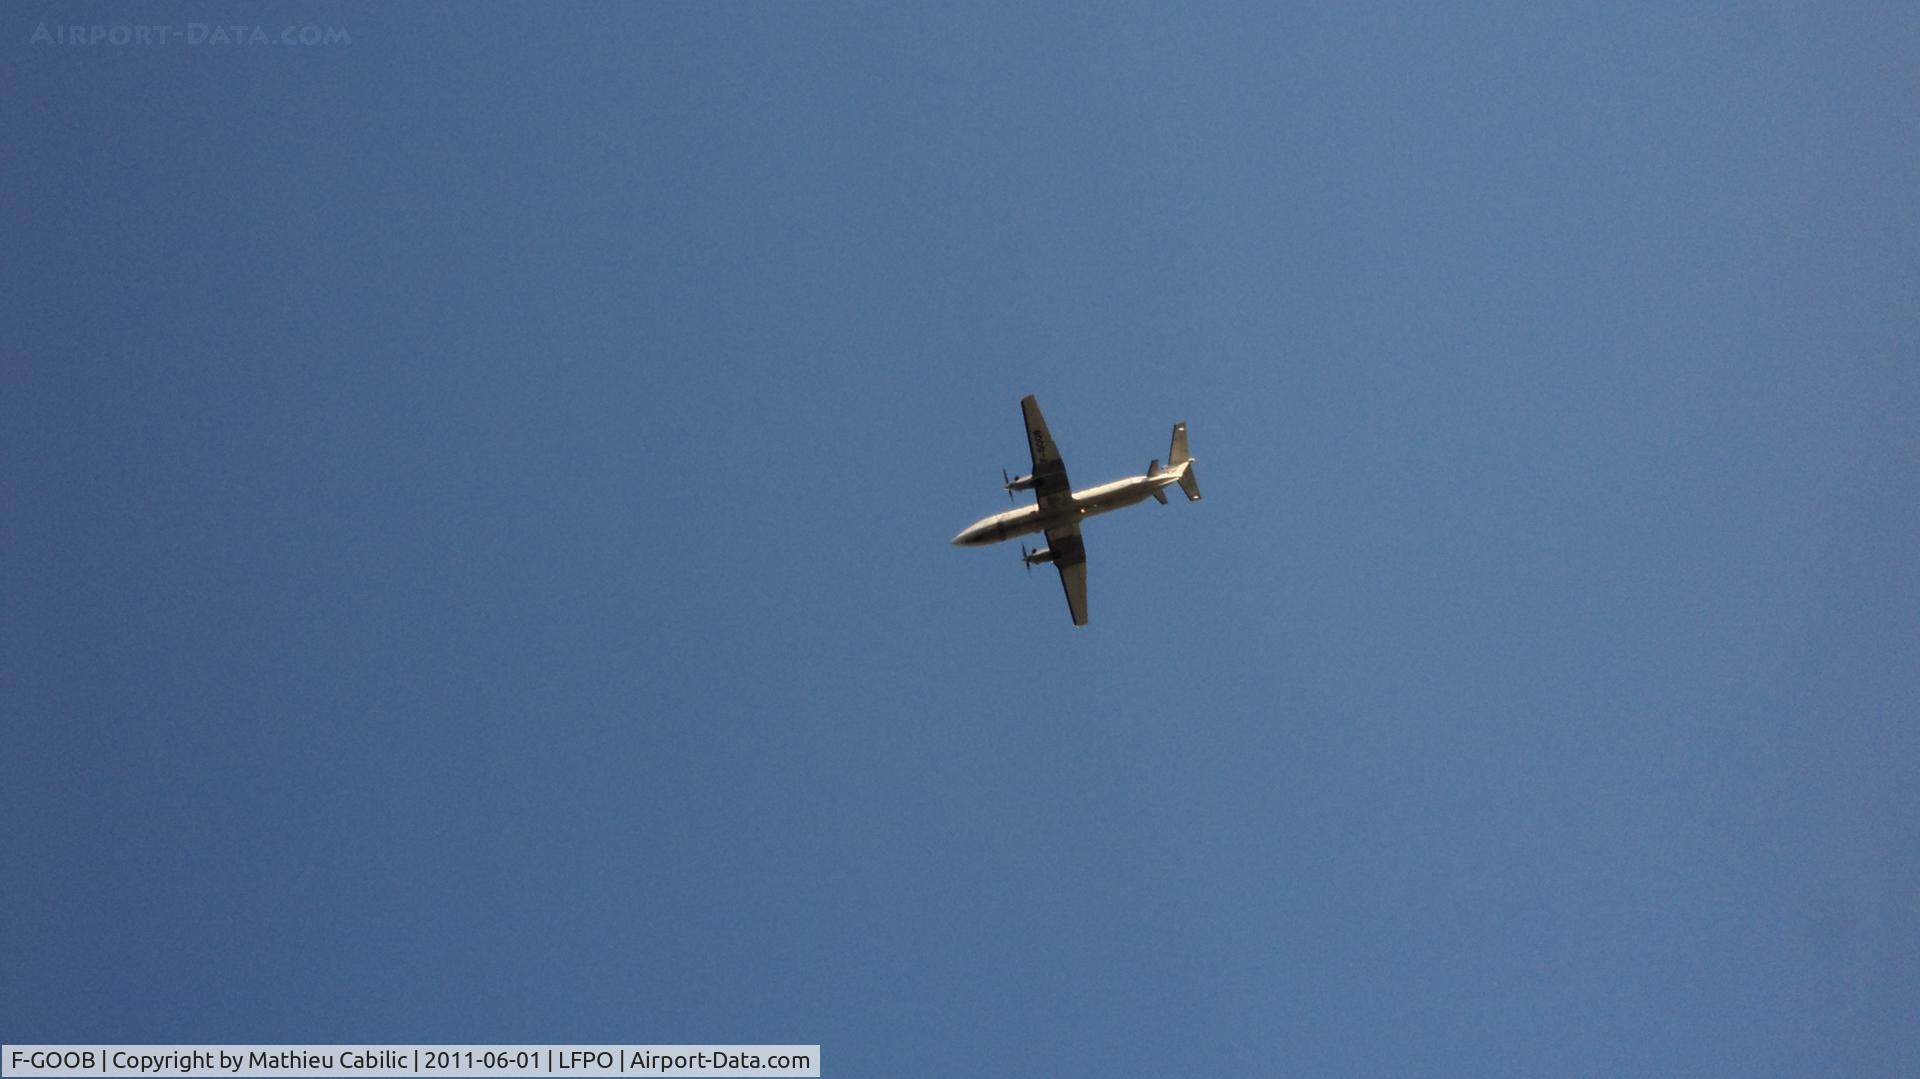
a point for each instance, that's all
(1050, 486)
(1070, 558)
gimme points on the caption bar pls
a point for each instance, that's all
(449, 1061)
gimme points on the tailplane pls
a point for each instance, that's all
(1189, 482)
(1153, 469)
(1178, 459)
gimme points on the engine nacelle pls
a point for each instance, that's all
(1039, 557)
(1021, 483)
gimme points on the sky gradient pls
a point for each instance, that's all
(475, 503)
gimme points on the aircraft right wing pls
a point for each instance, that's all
(1070, 558)
(1050, 486)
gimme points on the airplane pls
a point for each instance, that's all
(1058, 509)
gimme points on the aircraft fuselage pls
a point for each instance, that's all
(1090, 502)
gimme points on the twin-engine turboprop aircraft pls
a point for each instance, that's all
(1058, 509)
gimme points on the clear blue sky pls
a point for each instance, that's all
(475, 503)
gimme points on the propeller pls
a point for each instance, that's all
(1023, 557)
(1006, 484)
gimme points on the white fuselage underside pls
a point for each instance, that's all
(1088, 503)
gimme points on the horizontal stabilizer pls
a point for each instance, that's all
(1190, 483)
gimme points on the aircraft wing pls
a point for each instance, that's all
(1050, 486)
(1070, 558)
